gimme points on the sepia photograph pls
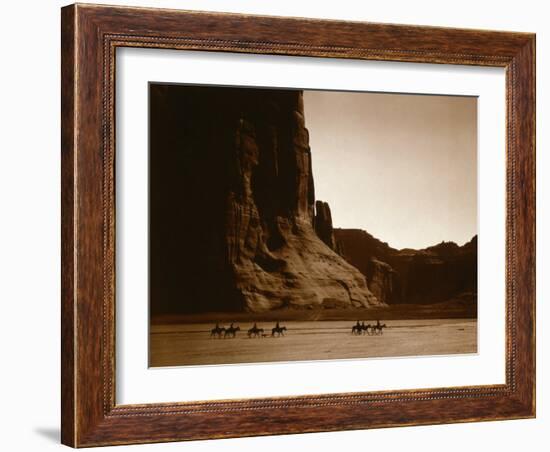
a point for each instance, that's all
(276, 222)
(297, 225)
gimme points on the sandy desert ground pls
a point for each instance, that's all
(191, 344)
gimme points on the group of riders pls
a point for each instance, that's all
(360, 328)
(231, 331)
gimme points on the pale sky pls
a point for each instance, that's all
(402, 167)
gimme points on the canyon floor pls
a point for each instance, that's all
(177, 344)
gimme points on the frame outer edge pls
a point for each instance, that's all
(534, 226)
(525, 62)
(68, 242)
(86, 419)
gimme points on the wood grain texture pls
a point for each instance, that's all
(90, 36)
(67, 224)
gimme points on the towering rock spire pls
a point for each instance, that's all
(323, 224)
(245, 212)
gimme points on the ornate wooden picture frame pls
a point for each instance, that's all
(90, 37)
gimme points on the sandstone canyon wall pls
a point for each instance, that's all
(233, 220)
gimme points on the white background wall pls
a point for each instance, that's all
(29, 224)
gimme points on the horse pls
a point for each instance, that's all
(255, 331)
(279, 330)
(231, 331)
(217, 331)
(356, 329)
(378, 328)
(252, 332)
(359, 328)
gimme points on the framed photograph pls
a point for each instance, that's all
(281, 225)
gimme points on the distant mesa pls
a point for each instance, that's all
(435, 274)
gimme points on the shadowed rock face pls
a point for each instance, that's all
(384, 281)
(323, 224)
(439, 273)
(232, 206)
